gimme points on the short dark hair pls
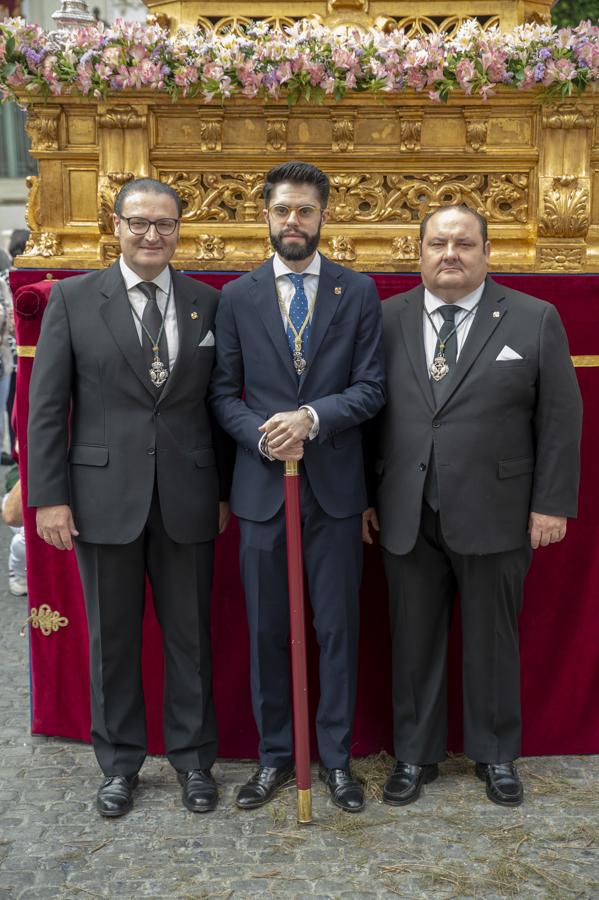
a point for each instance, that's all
(18, 241)
(146, 186)
(461, 207)
(299, 173)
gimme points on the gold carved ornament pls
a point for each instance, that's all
(46, 619)
(218, 198)
(566, 208)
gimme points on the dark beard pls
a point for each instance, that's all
(295, 252)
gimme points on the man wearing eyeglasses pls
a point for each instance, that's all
(299, 368)
(123, 362)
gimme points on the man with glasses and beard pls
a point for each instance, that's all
(123, 363)
(299, 368)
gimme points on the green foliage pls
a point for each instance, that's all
(571, 12)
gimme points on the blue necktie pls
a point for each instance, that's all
(298, 310)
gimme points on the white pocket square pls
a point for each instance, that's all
(508, 353)
(208, 340)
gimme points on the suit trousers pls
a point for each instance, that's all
(332, 551)
(113, 577)
(422, 588)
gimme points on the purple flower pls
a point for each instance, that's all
(539, 72)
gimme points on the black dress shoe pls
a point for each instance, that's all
(405, 782)
(345, 791)
(503, 784)
(200, 793)
(259, 789)
(115, 795)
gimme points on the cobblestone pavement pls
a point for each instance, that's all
(452, 843)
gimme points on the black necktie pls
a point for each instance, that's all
(152, 319)
(448, 311)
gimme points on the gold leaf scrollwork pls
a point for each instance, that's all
(357, 198)
(43, 244)
(342, 248)
(409, 131)
(343, 135)
(405, 248)
(109, 186)
(561, 258)
(276, 133)
(268, 249)
(567, 116)
(122, 117)
(476, 134)
(211, 131)
(209, 246)
(46, 619)
(506, 199)
(110, 252)
(212, 197)
(566, 208)
(32, 210)
(42, 128)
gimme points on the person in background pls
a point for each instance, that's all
(12, 515)
(7, 349)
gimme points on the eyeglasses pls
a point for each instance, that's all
(303, 213)
(142, 226)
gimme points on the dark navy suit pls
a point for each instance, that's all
(343, 382)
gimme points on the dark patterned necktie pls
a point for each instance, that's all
(152, 319)
(298, 310)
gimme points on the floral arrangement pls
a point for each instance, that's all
(305, 62)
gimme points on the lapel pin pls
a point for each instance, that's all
(496, 314)
(338, 290)
(194, 315)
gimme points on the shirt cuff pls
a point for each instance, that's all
(263, 453)
(316, 426)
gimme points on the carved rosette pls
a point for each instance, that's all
(567, 116)
(276, 133)
(566, 208)
(409, 132)
(108, 188)
(405, 248)
(343, 128)
(342, 248)
(209, 246)
(561, 258)
(121, 117)
(44, 244)
(32, 210)
(211, 134)
(42, 128)
(476, 134)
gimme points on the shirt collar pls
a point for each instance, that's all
(132, 279)
(280, 267)
(432, 303)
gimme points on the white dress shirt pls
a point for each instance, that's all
(285, 291)
(462, 319)
(138, 300)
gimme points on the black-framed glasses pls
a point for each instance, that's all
(137, 225)
(304, 213)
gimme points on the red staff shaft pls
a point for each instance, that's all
(295, 568)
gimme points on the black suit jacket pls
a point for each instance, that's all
(506, 437)
(123, 437)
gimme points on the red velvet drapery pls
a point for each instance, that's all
(559, 624)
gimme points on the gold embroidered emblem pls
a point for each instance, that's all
(46, 619)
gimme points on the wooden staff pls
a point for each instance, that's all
(295, 571)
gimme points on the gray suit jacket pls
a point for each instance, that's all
(506, 436)
(122, 438)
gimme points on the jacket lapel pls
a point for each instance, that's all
(491, 310)
(411, 322)
(328, 297)
(264, 296)
(189, 327)
(119, 319)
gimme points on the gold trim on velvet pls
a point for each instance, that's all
(24, 350)
(585, 362)
(46, 619)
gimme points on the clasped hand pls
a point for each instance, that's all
(286, 433)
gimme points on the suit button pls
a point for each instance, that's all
(422, 467)
(436, 424)
(156, 412)
(151, 451)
